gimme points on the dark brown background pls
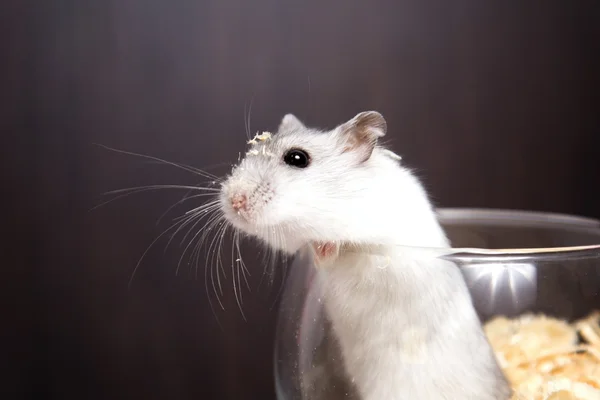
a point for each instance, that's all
(495, 104)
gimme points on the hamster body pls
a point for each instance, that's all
(418, 337)
(406, 325)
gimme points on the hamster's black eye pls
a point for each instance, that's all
(296, 158)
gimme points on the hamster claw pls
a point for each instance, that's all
(325, 252)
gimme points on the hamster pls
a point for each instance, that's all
(406, 324)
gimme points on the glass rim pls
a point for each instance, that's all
(464, 215)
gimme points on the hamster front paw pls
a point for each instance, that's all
(325, 253)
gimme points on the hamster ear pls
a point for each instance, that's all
(360, 134)
(290, 122)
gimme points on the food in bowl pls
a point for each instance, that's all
(547, 358)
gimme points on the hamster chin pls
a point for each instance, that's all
(278, 236)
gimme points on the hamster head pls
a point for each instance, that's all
(303, 184)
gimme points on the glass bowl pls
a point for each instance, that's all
(513, 262)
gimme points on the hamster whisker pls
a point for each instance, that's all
(216, 219)
(148, 249)
(202, 212)
(265, 252)
(158, 187)
(213, 258)
(193, 219)
(242, 265)
(196, 218)
(209, 268)
(184, 167)
(215, 261)
(209, 265)
(198, 243)
(235, 275)
(219, 265)
(247, 119)
(183, 223)
(136, 190)
(208, 214)
(200, 209)
(185, 198)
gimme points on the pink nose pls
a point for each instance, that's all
(238, 202)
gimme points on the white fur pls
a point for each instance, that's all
(408, 330)
(379, 311)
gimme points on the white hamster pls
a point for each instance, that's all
(406, 325)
